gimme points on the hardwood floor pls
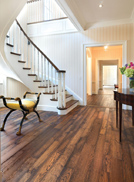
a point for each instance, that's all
(104, 98)
(82, 146)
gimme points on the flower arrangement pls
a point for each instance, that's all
(128, 70)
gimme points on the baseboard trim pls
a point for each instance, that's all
(47, 108)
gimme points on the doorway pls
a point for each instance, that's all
(109, 75)
(105, 73)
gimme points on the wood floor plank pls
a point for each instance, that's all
(82, 146)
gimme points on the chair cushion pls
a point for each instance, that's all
(27, 104)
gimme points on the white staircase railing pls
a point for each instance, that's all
(50, 77)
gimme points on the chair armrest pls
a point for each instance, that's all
(7, 98)
(34, 93)
(10, 98)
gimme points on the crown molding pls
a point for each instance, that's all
(109, 23)
(70, 9)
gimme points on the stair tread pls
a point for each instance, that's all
(47, 86)
(32, 75)
(18, 54)
(49, 92)
(21, 61)
(69, 104)
(26, 68)
(9, 44)
(67, 96)
(36, 80)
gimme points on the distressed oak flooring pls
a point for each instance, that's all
(82, 146)
(104, 98)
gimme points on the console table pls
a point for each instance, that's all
(123, 96)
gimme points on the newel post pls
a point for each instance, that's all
(61, 89)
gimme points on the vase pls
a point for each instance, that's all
(131, 84)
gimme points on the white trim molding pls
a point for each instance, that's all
(110, 23)
(77, 21)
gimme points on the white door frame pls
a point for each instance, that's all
(124, 61)
(97, 71)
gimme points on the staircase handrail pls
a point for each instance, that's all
(39, 48)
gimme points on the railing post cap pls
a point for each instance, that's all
(61, 71)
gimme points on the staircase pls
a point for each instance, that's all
(38, 72)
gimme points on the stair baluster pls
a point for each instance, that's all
(38, 66)
(55, 85)
(52, 79)
(48, 76)
(59, 91)
(45, 72)
(42, 70)
(63, 89)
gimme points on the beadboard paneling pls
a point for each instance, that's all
(15, 88)
(66, 50)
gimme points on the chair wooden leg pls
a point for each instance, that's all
(37, 115)
(4, 122)
(19, 132)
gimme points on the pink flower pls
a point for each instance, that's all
(132, 67)
(131, 63)
(127, 67)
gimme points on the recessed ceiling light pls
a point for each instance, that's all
(100, 5)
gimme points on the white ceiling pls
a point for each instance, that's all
(111, 10)
(87, 12)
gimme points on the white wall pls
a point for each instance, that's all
(2, 87)
(66, 50)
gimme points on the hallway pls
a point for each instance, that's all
(82, 146)
(104, 98)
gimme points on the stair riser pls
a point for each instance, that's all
(45, 89)
(64, 112)
(69, 98)
(53, 96)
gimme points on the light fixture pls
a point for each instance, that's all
(105, 47)
(100, 5)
